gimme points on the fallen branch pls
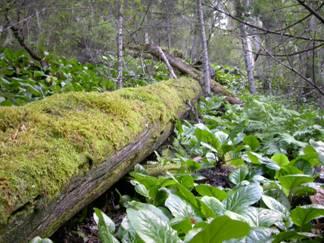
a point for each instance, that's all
(184, 68)
(165, 59)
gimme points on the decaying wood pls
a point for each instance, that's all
(43, 215)
(186, 69)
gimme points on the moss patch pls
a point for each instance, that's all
(44, 144)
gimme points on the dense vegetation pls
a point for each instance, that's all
(253, 168)
(271, 154)
(247, 173)
(23, 79)
(286, 39)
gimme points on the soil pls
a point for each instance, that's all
(216, 176)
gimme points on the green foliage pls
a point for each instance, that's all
(151, 224)
(137, 72)
(266, 185)
(302, 215)
(106, 227)
(23, 80)
(271, 152)
(230, 77)
(221, 229)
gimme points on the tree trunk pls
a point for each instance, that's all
(267, 82)
(120, 19)
(59, 154)
(246, 47)
(206, 73)
(184, 68)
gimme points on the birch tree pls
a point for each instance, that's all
(206, 74)
(246, 46)
(120, 20)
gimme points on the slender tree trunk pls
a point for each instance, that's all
(268, 23)
(247, 48)
(206, 73)
(120, 61)
(169, 7)
(195, 43)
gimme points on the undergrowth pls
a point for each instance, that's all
(23, 79)
(272, 155)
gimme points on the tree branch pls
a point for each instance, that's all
(266, 30)
(312, 11)
(293, 70)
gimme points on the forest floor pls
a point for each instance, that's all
(82, 227)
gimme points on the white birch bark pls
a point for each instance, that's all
(206, 73)
(120, 20)
(247, 48)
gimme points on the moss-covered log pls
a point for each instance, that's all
(59, 154)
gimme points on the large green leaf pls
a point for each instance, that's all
(257, 235)
(273, 204)
(149, 186)
(203, 134)
(177, 206)
(261, 217)
(187, 195)
(220, 229)
(237, 176)
(182, 225)
(304, 214)
(258, 159)
(292, 183)
(208, 190)
(281, 159)
(106, 227)
(239, 199)
(295, 236)
(127, 233)
(214, 205)
(252, 141)
(151, 224)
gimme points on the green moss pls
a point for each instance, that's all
(44, 144)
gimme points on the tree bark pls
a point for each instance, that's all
(206, 74)
(246, 47)
(120, 20)
(34, 209)
(267, 82)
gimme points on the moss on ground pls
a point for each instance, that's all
(44, 144)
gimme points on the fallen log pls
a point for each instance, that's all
(59, 154)
(183, 67)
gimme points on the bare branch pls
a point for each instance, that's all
(312, 11)
(294, 71)
(266, 30)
